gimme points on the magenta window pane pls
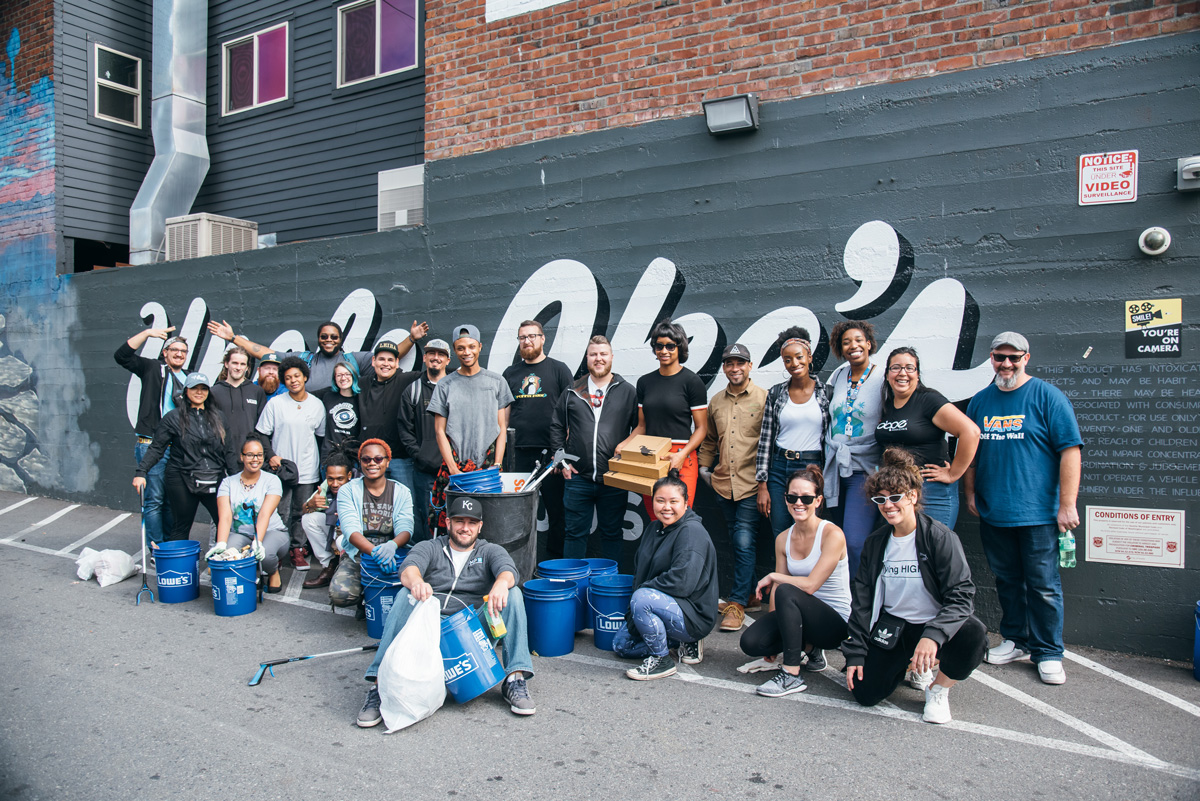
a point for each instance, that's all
(272, 65)
(241, 75)
(397, 34)
(358, 43)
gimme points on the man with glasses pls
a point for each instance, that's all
(161, 391)
(1024, 486)
(415, 429)
(537, 382)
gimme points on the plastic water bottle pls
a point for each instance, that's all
(1066, 549)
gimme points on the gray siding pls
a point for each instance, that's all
(102, 164)
(306, 168)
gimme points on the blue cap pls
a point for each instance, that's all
(197, 380)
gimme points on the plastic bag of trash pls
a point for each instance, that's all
(113, 566)
(87, 563)
(412, 684)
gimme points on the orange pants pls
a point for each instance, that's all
(689, 472)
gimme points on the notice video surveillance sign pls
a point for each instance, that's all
(1108, 177)
(1153, 328)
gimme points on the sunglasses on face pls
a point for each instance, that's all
(880, 500)
(667, 346)
(1001, 358)
(804, 499)
(372, 459)
(328, 337)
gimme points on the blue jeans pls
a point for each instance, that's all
(156, 517)
(741, 518)
(777, 475)
(401, 470)
(658, 623)
(422, 483)
(856, 515)
(581, 496)
(514, 647)
(940, 501)
(1024, 560)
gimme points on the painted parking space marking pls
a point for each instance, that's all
(17, 505)
(295, 584)
(116, 521)
(1162, 695)
(40, 523)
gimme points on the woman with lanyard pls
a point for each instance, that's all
(912, 601)
(855, 403)
(809, 590)
(917, 419)
(793, 427)
(247, 514)
(341, 408)
(673, 403)
(195, 433)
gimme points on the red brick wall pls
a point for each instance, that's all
(34, 19)
(582, 66)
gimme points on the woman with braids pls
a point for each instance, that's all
(912, 600)
(674, 587)
(195, 433)
(795, 418)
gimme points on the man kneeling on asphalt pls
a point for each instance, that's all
(461, 570)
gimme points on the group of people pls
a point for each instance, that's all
(858, 477)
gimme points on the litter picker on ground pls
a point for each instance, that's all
(267, 667)
(145, 547)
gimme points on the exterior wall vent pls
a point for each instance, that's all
(402, 197)
(195, 235)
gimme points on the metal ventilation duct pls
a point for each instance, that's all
(177, 118)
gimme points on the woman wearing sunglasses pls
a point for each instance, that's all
(912, 600)
(673, 403)
(917, 419)
(809, 590)
(248, 514)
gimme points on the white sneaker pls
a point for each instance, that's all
(919, 679)
(1051, 672)
(1004, 653)
(937, 704)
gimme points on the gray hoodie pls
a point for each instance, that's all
(487, 561)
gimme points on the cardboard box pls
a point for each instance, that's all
(655, 471)
(638, 484)
(646, 450)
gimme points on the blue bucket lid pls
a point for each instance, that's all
(543, 589)
(613, 581)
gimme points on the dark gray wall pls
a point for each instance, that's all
(975, 171)
(306, 168)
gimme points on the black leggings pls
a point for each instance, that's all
(884, 670)
(183, 505)
(798, 618)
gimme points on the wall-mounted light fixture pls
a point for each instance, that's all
(1187, 173)
(731, 114)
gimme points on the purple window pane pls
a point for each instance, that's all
(397, 35)
(272, 65)
(240, 90)
(358, 43)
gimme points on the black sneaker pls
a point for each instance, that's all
(781, 684)
(653, 667)
(816, 661)
(691, 653)
(516, 693)
(369, 715)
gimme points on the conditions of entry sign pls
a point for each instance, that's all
(1108, 177)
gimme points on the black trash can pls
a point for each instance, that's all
(510, 520)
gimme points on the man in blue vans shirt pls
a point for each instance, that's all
(1024, 486)
(459, 570)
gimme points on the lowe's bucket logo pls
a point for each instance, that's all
(608, 624)
(173, 578)
(459, 669)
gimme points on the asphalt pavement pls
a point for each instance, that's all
(105, 699)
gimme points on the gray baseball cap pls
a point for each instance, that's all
(197, 380)
(1012, 339)
(467, 330)
(438, 344)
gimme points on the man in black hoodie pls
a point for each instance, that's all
(417, 436)
(240, 400)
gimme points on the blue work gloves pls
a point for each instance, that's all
(385, 555)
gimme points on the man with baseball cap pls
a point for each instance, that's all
(268, 375)
(471, 418)
(1024, 486)
(416, 431)
(379, 407)
(461, 570)
(727, 465)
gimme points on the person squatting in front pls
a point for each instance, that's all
(463, 571)
(674, 587)
(375, 515)
(912, 599)
(247, 514)
(320, 520)
(810, 590)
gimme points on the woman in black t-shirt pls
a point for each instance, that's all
(673, 403)
(917, 419)
(341, 409)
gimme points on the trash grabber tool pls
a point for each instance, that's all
(267, 667)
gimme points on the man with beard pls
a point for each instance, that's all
(471, 408)
(1024, 486)
(268, 375)
(465, 571)
(590, 420)
(537, 382)
(416, 431)
(162, 390)
(240, 401)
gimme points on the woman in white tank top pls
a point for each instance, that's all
(809, 590)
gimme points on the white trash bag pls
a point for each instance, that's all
(87, 563)
(411, 682)
(113, 566)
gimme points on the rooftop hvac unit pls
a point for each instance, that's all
(402, 197)
(195, 235)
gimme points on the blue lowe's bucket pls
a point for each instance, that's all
(597, 567)
(570, 570)
(608, 598)
(177, 563)
(379, 590)
(234, 590)
(550, 608)
(468, 658)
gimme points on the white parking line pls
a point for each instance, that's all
(40, 523)
(295, 584)
(17, 505)
(1161, 695)
(85, 540)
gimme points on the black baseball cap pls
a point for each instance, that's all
(736, 351)
(270, 358)
(387, 347)
(465, 507)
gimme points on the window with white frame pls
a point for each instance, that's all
(254, 70)
(117, 87)
(376, 38)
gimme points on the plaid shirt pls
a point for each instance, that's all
(777, 397)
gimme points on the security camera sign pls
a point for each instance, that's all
(1153, 328)
(1108, 177)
